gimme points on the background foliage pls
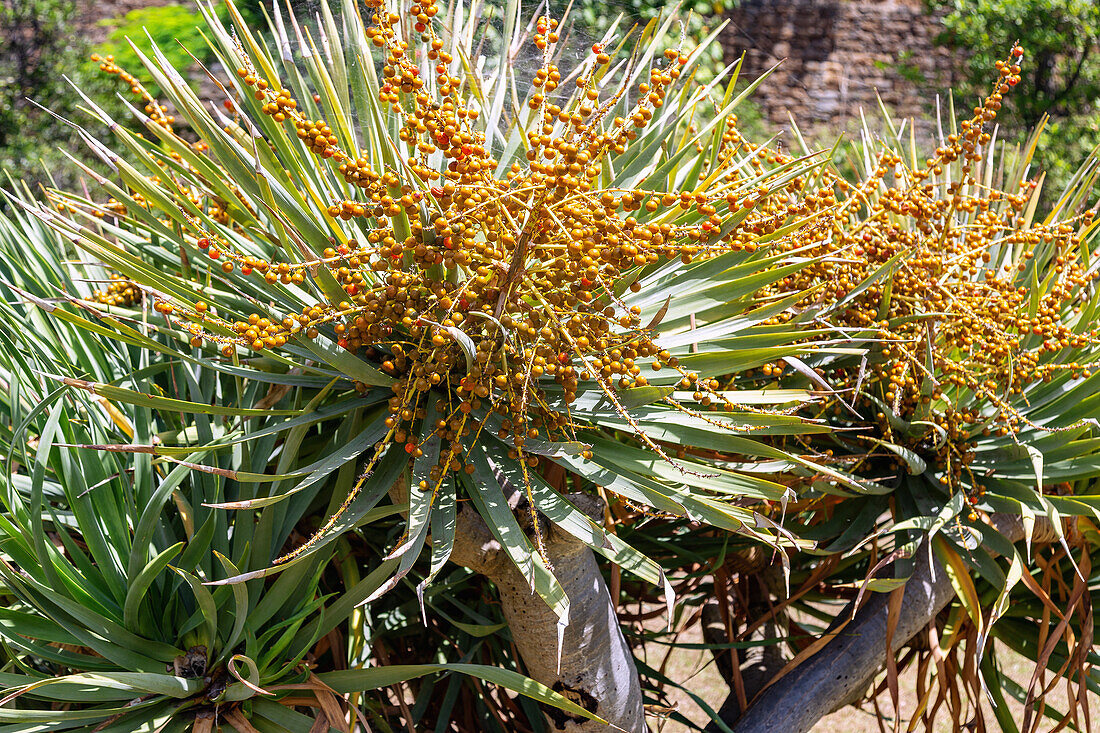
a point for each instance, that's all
(37, 49)
(174, 28)
(1063, 82)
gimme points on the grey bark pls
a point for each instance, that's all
(596, 668)
(840, 673)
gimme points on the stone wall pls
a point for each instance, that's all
(836, 54)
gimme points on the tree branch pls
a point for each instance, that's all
(841, 671)
(1068, 86)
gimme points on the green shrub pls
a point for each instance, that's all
(174, 29)
(1062, 80)
(37, 52)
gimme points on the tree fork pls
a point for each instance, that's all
(840, 672)
(595, 668)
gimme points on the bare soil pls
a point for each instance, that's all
(695, 669)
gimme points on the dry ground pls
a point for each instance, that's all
(697, 671)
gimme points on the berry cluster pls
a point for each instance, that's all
(157, 112)
(955, 335)
(121, 292)
(494, 293)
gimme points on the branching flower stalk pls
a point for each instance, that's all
(935, 269)
(476, 283)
